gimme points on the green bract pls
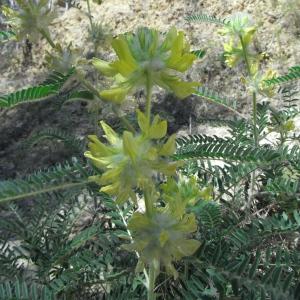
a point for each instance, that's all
(32, 19)
(130, 161)
(148, 58)
(162, 237)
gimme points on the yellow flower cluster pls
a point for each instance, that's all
(146, 58)
(131, 161)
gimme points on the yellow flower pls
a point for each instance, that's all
(145, 57)
(183, 193)
(131, 161)
(162, 237)
(263, 87)
(241, 34)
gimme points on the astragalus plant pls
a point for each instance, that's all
(139, 214)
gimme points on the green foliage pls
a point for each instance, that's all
(199, 53)
(293, 74)
(49, 87)
(204, 217)
(201, 146)
(66, 176)
(6, 35)
(20, 290)
(69, 140)
(214, 97)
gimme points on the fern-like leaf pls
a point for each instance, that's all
(202, 146)
(36, 93)
(49, 87)
(68, 139)
(206, 18)
(215, 98)
(293, 74)
(199, 53)
(6, 35)
(22, 290)
(61, 177)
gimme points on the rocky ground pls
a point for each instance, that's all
(278, 35)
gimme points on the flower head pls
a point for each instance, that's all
(163, 237)
(185, 192)
(148, 57)
(240, 33)
(63, 59)
(33, 18)
(130, 161)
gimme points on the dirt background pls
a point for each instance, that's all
(278, 35)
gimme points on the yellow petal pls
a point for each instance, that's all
(181, 89)
(158, 130)
(169, 147)
(170, 38)
(110, 175)
(142, 121)
(100, 162)
(110, 134)
(110, 189)
(189, 247)
(123, 67)
(121, 47)
(183, 63)
(104, 67)
(97, 148)
(116, 95)
(129, 145)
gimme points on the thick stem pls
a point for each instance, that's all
(244, 47)
(254, 120)
(153, 273)
(148, 202)
(148, 97)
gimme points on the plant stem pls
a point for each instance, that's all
(86, 83)
(153, 272)
(148, 97)
(254, 103)
(92, 26)
(48, 38)
(148, 202)
(131, 240)
(254, 120)
(254, 106)
(90, 15)
(125, 122)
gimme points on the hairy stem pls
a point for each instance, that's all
(153, 273)
(254, 118)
